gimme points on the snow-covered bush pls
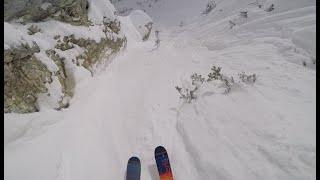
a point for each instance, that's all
(215, 74)
(209, 7)
(250, 79)
(197, 79)
(149, 27)
(186, 94)
(215, 80)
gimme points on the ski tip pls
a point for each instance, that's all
(159, 149)
(133, 169)
(134, 159)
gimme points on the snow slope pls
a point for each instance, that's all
(265, 130)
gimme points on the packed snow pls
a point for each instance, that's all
(261, 130)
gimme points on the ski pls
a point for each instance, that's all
(163, 163)
(133, 169)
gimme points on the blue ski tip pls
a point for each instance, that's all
(159, 149)
(134, 159)
(133, 169)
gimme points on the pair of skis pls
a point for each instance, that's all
(163, 164)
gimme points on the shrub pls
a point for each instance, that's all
(216, 80)
(215, 74)
(186, 94)
(197, 80)
(248, 78)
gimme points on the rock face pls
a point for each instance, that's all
(24, 77)
(71, 11)
(44, 61)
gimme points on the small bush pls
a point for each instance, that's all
(215, 74)
(216, 80)
(247, 78)
(197, 80)
(186, 94)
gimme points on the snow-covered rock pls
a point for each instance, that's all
(69, 52)
(71, 11)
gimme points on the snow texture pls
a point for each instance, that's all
(265, 130)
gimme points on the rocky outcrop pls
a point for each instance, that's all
(95, 51)
(66, 80)
(46, 75)
(24, 77)
(70, 11)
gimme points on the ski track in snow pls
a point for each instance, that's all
(260, 131)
